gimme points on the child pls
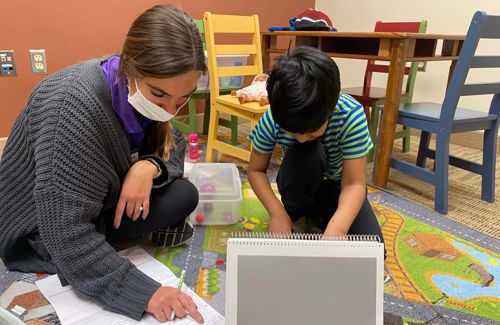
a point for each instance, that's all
(325, 141)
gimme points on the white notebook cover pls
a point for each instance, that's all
(304, 281)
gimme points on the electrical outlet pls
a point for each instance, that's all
(7, 63)
(38, 61)
(422, 66)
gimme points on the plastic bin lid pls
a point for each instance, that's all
(216, 181)
(6, 318)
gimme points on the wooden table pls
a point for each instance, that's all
(397, 48)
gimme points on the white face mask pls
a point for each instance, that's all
(149, 109)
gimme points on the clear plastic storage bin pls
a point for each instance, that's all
(219, 186)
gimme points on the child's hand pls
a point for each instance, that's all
(281, 223)
(334, 230)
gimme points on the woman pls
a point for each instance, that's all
(92, 158)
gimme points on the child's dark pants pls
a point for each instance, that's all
(305, 191)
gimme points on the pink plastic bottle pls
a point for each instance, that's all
(193, 147)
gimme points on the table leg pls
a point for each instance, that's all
(457, 47)
(385, 143)
(265, 44)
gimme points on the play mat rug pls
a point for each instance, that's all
(437, 271)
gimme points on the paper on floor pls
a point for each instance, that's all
(75, 309)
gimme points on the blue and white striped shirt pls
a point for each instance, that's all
(346, 136)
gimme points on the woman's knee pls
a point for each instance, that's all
(186, 193)
(177, 200)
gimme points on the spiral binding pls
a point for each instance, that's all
(306, 236)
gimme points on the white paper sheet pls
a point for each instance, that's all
(75, 309)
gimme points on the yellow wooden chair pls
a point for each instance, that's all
(203, 93)
(218, 24)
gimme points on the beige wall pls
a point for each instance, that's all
(71, 31)
(444, 16)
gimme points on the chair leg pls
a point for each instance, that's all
(372, 128)
(425, 139)
(190, 125)
(212, 133)
(489, 165)
(192, 116)
(406, 139)
(253, 123)
(234, 130)
(232, 124)
(441, 174)
(367, 113)
(206, 116)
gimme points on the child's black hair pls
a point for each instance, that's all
(303, 89)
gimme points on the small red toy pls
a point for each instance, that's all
(207, 188)
(200, 218)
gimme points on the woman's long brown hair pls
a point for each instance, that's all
(163, 42)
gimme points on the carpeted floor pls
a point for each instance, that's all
(439, 271)
(465, 204)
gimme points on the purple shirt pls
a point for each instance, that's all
(119, 99)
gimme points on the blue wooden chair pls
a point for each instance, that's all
(446, 118)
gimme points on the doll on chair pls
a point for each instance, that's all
(256, 92)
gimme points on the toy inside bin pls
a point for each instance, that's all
(224, 61)
(219, 186)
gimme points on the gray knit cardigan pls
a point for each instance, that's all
(60, 174)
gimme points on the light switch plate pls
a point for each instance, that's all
(7, 63)
(38, 61)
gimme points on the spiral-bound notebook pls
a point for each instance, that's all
(301, 279)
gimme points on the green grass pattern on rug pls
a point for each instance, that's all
(431, 266)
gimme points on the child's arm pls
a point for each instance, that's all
(352, 195)
(257, 168)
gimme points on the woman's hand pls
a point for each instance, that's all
(166, 299)
(136, 189)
